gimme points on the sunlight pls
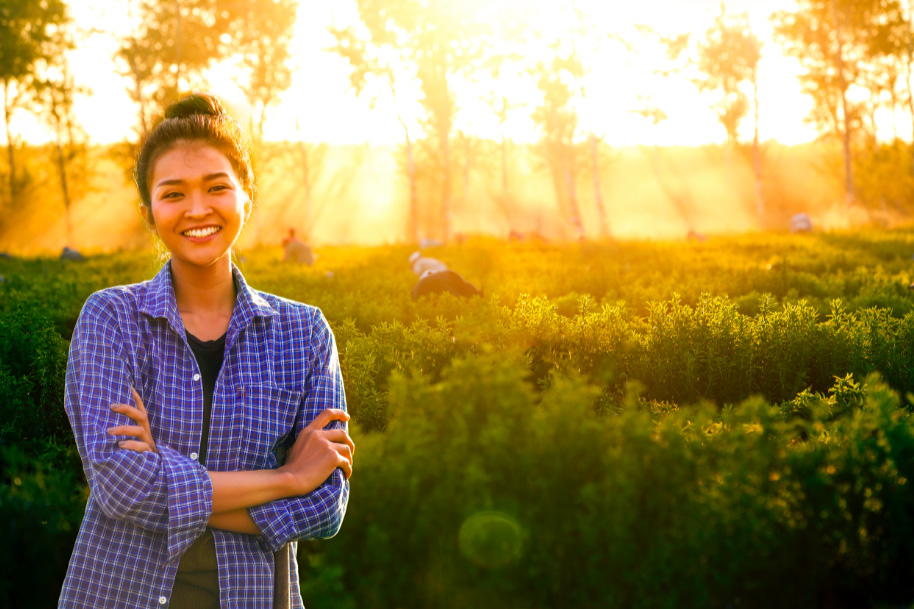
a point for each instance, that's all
(327, 110)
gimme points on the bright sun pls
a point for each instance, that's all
(320, 104)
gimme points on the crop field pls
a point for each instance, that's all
(615, 424)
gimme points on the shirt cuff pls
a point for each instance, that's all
(274, 519)
(190, 499)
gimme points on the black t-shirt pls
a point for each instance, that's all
(209, 355)
(197, 581)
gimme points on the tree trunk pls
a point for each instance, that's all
(306, 178)
(138, 88)
(908, 60)
(413, 222)
(756, 153)
(7, 108)
(576, 223)
(598, 195)
(504, 166)
(843, 85)
(466, 170)
(177, 47)
(446, 194)
(65, 191)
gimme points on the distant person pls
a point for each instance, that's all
(425, 242)
(69, 253)
(296, 250)
(694, 235)
(800, 223)
(516, 236)
(419, 264)
(439, 282)
(244, 449)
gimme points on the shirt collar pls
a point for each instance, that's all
(159, 300)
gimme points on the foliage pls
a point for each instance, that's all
(29, 35)
(511, 497)
(728, 58)
(612, 425)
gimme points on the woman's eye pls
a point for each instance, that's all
(171, 195)
(219, 187)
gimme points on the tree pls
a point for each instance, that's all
(176, 40)
(674, 60)
(437, 42)
(372, 61)
(27, 35)
(56, 91)
(557, 120)
(728, 58)
(261, 41)
(586, 43)
(833, 41)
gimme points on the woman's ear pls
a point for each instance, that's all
(248, 207)
(146, 212)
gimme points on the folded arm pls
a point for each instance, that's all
(161, 491)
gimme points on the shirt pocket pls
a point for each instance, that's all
(269, 420)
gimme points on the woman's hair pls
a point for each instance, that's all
(199, 117)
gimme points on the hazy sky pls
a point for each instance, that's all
(327, 111)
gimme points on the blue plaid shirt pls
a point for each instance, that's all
(281, 369)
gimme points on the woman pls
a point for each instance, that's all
(210, 418)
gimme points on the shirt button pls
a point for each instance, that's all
(162, 600)
(196, 377)
(193, 456)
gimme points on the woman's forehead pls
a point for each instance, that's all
(191, 160)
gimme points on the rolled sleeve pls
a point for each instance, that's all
(319, 514)
(164, 492)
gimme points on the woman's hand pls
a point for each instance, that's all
(140, 431)
(318, 451)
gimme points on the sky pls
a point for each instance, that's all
(326, 110)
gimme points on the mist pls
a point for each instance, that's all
(359, 195)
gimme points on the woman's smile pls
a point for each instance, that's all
(201, 234)
(198, 205)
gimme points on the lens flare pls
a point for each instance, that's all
(491, 540)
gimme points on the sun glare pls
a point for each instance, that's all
(319, 106)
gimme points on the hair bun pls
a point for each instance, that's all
(203, 104)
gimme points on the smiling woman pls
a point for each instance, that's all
(235, 444)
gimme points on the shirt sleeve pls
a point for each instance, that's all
(319, 514)
(164, 492)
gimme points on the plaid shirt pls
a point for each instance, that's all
(281, 369)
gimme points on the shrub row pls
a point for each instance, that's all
(485, 491)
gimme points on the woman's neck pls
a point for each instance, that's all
(205, 295)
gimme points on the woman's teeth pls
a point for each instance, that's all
(201, 232)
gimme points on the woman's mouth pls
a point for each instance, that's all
(201, 233)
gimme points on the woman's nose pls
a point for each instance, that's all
(199, 206)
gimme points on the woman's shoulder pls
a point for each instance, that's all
(292, 313)
(116, 298)
(125, 301)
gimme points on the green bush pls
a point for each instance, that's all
(508, 497)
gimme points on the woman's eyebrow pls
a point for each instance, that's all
(206, 178)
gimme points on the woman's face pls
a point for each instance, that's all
(197, 204)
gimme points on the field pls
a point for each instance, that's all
(617, 424)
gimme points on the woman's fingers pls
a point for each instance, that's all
(326, 416)
(135, 446)
(134, 413)
(346, 464)
(138, 414)
(127, 430)
(340, 437)
(139, 401)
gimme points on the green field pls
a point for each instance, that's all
(632, 424)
